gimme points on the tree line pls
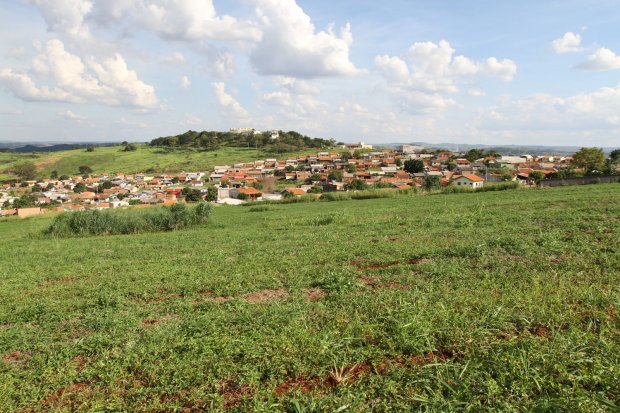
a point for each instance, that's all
(212, 140)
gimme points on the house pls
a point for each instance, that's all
(249, 193)
(470, 180)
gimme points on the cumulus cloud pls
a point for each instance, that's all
(185, 82)
(73, 79)
(291, 46)
(601, 60)
(227, 102)
(188, 20)
(421, 78)
(568, 43)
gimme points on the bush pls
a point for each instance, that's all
(129, 221)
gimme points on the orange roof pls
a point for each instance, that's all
(249, 191)
(295, 191)
(474, 178)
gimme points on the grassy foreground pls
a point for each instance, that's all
(499, 301)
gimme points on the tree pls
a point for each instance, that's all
(24, 201)
(85, 169)
(431, 182)
(335, 176)
(130, 147)
(211, 194)
(351, 168)
(90, 149)
(26, 171)
(474, 154)
(54, 174)
(191, 195)
(536, 176)
(79, 188)
(356, 185)
(105, 185)
(592, 160)
(64, 177)
(615, 156)
(414, 166)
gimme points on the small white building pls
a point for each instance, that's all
(469, 180)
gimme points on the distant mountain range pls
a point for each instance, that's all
(48, 147)
(502, 149)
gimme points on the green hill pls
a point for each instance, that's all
(499, 301)
(145, 158)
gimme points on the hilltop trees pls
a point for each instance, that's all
(592, 160)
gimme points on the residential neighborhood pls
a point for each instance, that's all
(351, 167)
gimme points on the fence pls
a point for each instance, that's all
(580, 181)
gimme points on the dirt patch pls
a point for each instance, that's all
(58, 399)
(16, 358)
(376, 283)
(48, 283)
(541, 331)
(81, 362)
(234, 393)
(380, 266)
(314, 294)
(266, 295)
(208, 297)
(150, 322)
(350, 375)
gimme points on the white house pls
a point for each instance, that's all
(470, 180)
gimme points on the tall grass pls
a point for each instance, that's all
(500, 186)
(128, 221)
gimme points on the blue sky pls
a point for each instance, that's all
(489, 72)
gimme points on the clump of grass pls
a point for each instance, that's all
(129, 221)
(260, 208)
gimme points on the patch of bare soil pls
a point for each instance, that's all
(265, 295)
(63, 398)
(16, 358)
(314, 294)
(376, 283)
(234, 393)
(150, 322)
(350, 375)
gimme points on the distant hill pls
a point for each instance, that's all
(59, 147)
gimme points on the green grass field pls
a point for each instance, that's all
(113, 159)
(501, 301)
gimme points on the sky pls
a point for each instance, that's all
(477, 72)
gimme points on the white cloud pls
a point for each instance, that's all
(67, 114)
(420, 79)
(72, 79)
(66, 16)
(291, 46)
(185, 82)
(227, 102)
(187, 20)
(191, 120)
(568, 43)
(601, 60)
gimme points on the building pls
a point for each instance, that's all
(470, 180)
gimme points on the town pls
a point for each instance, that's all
(343, 168)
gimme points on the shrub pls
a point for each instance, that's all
(129, 221)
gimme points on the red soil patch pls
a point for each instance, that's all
(376, 284)
(56, 400)
(265, 295)
(16, 357)
(349, 375)
(314, 294)
(234, 393)
(207, 297)
(150, 322)
(540, 331)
